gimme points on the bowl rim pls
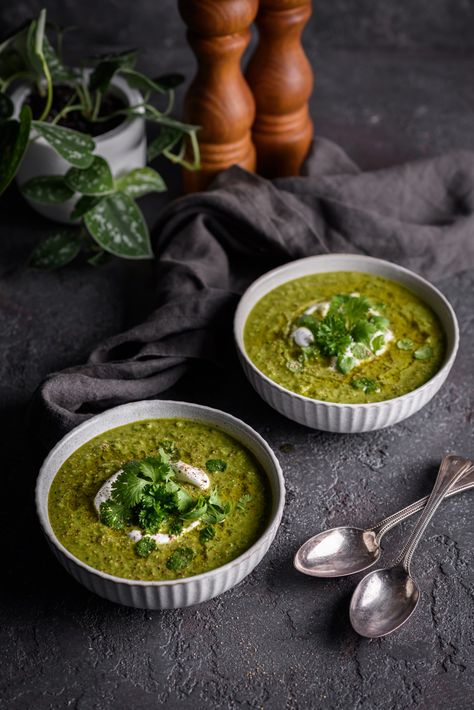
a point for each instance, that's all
(272, 524)
(358, 258)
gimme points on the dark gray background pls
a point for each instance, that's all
(393, 82)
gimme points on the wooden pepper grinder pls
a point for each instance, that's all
(219, 98)
(281, 79)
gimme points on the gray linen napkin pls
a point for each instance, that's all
(212, 245)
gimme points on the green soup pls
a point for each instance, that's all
(242, 486)
(398, 338)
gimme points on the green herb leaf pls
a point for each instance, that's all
(380, 322)
(345, 363)
(14, 137)
(117, 225)
(113, 514)
(365, 384)
(180, 559)
(198, 509)
(361, 351)
(166, 140)
(96, 179)
(363, 332)
(184, 500)
(423, 353)
(47, 189)
(352, 308)
(207, 534)
(405, 344)
(216, 465)
(175, 527)
(129, 487)
(377, 343)
(332, 336)
(83, 205)
(140, 182)
(170, 448)
(57, 250)
(145, 546)
(243, 500)
(76, 148)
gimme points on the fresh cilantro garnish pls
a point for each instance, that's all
(145, 546)
(206, 534)
(360, 351)
(170, 448)
(363, 332)
(243, 500)
(146, 494)
(377, 343)
(405, 344)
(346, 363)
(365, 384)
(180, 559)
(113, 514)
(332, 335)
(216, 465)
(423, 353)
(351, 308)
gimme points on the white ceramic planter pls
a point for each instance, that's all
(124, 148)
(170, 594)
(330, 416)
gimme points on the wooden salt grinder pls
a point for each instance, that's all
(281, 79)
(219, 98)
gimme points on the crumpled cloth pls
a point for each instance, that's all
(210, 246)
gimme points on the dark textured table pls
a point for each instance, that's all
(278, 640)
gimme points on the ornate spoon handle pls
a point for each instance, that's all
(451, 470)
(463, 484)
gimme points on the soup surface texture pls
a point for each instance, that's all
(234, 474)
(345, 337)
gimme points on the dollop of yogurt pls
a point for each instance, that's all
(185, 473)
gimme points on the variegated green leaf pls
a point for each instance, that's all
(14, 137)
(96, 179)
(59, 73)
(117, 225)
(48, 189)
(83, 205)
(140, 182)
(57, 250)
(166, 140)
(73, 146)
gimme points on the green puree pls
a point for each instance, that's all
(410, 359)
(243, 484)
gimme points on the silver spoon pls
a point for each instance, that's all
(342, 551)
(386, 598)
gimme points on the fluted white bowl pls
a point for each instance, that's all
(168, 594)
(331, 416)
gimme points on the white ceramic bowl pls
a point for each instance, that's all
(329, 416)
(170, 594)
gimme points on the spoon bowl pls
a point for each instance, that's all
(338, 552)
(383, 601)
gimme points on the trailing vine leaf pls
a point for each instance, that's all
(96, 179)
(13, 143)
(6, 107)
(109, 64)
(166, 140)
(59, 73)
(56, 250)
(73, 146)
(117, 225)
(140, 181)
(47, 189)
(137, 80)
(83, 205)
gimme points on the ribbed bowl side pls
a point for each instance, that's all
(175, 596)
(339, 418)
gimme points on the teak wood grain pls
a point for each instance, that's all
(219, 98)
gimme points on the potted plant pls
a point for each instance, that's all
(75, 140)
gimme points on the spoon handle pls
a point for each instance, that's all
(463, 484)
(451, 469)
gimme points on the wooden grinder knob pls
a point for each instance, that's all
(281, 79)
(219, 98)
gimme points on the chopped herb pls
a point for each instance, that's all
(332, 336)
(206, 534)
(405, 344)
(170, 448)
(365, 384)
(242, 502)
(377, 343)
(113, 514)
(423, 353)
(175, 527)
(145, 546)
(346, 363)
(380, 322)
(180, 559)
(216, 465)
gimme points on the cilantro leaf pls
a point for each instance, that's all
(377, 343)
(145, 546)
(206, 534)
(128, 488)
(364, 331)
(332, 336)
(175, 527)
(216, 465)
(405, 344)
(423, 353)
(113, 514)
(183, 500)
(380, 322)
(180, 559)
(346, 363)
(243, 500)
(365, 384)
